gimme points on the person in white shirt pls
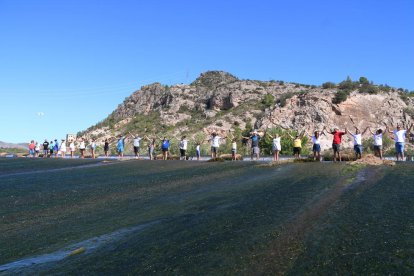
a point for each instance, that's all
(377, 137)
(93, 148)
(399, 137)
(316, 143)
(276, 146)
(72, 148)
(137, 141)
(215, 143)
(62, 148)
(82, 148)
(233, 149)
(183, 147)
(358, 142)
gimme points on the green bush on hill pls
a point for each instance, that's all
(268, 100)
(328, 85)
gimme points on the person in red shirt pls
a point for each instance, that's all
(32, 148)
(336, 144)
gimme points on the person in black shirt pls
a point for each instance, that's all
(45, 148)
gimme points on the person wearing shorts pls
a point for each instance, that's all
(51, 147)
(62, 148)
(316, 143)
(183, 148)
(358, 142)
(297, 146)
(233, 149)
(336, 143)
(82, 148)
(32, 149)
(137, 141)
(72, 149)
(400, 136)
(215, 143)
(45, 148)
(276, 146)
(255, 139)
(165, 147)
(120, 146)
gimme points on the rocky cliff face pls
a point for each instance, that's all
(219, 101)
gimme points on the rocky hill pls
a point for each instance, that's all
(218, 101)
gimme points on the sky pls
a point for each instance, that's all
(66, 65)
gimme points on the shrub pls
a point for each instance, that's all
(281, 82)
(268, 100)
(348, 84)
(363, 80)
(384, 88)
(340, 96)
(328, 85)
(368, 89)
(284, 97)
(409, 111)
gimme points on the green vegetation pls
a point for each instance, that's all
(13, 150)
(340, 96)
(328, 85)
(268, 100)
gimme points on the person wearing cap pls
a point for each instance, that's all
(255, 139)
(399, 137)
(336, 143)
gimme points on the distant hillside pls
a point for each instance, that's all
(218, 101)
(12, 145)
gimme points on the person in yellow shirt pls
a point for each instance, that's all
(297, 146)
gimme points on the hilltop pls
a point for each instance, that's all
(219, 101)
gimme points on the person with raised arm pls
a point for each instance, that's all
(399, 137)
(254, 139)
(121, 145)
(316, 143)
(72, 148)
(151, 147)
(233, 146)
(107, 141)
(165, 147)
(276, 146)
(297, 144)
(358, 141)
(137, 141)
(377, 136)
(183, 147)
(82, 147)
(336, 143)
(62, 148)
(215, 140)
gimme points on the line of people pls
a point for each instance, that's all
(56, 149)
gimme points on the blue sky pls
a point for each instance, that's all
(65, 65)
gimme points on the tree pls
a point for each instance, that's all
(328, 85)
(363, 80)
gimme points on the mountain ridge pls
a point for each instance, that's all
(218, 101)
